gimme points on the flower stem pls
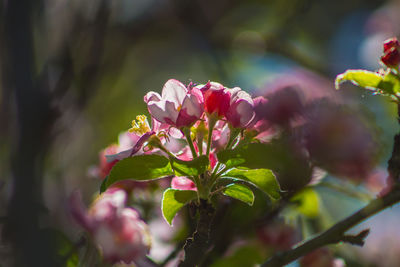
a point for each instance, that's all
(200, 145)
(234, 132)
(186, 132)
(211, 123)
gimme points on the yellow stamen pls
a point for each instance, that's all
(140, 126)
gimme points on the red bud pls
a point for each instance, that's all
(391, 58)
(389, 43)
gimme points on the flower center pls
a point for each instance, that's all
(140, 126)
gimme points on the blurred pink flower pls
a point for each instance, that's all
(281, 106)
(322, 257)
(117, 230)
(105, 166)
(277, 235)
(340, 141)
(178, 106)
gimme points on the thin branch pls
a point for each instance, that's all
(336, 233)
(358, 239)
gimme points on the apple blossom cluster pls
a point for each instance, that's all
(209, 114)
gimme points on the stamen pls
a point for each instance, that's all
(140, 126)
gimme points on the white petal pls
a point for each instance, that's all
(152, 96)
(234, 94)
(171, 111)
(174, 91)
(216, 86)
(119, 156)
(192, 106)
(245, 109)
(157, 110)
(127, 140)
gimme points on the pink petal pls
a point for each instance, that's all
(119, 156)
(245, 109)
(163, 111)
(183, 183)
(132, 151)
(240, 113)
(190, 112)
(171, 113)
(157, 110)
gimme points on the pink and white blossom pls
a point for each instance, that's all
(177, 105)
(241, 108)
(234, 104)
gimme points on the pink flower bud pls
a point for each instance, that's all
(281, 106)
(182, 183)
(241, 108)
(216, 98)
(177, 105)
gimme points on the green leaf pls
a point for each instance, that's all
(194, 167)
(140, 168)
(387, 84)
(262, 178)
(240, 192)
(390, 84)
(103, 186)
(307, 202)
(173, 200)
(362, 78)
(253, 156)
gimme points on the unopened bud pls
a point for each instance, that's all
(391, 56)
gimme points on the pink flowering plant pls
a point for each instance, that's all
(208, 144)
(198, 116)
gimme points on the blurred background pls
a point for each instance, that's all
(74, 73)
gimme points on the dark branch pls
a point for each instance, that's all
(358, 239)
(197, 246)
